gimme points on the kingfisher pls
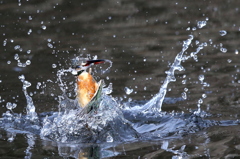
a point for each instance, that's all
(88, 89)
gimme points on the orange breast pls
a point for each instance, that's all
(86, 88)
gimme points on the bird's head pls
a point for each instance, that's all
(82, 64)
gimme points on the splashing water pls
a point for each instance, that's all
(108, 122)
(30, 106)
(114, 121)
(155, 103)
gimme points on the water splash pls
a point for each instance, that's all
(105, 126)
(30, 106)
(109, 89)
(155, 103)
(31, 143)
(108, 68)
(178, 154)
(60, 73)
(111, 123)
(200, 100)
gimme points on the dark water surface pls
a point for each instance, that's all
(141, 38)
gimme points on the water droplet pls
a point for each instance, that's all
(128, 90)
(197, 42)
(200, 101)
(44, 27)
(109, 138)
(8, 62)
(194, 56)
(54, 65)
(224, 50)
(29, 31)
(5, 42)
(16, 47)
(201, 24)
(229, 60)
(38, 85)
(184, 95)
(201, 77)
(236, 52)
(205, 84)
(28, 62)
(204, 95)
(184, 81)
(114, 36)
(26, 84)
(16, 57)
(21, 64)
(223, 32)
(11, 106)
(50, 45)
(185, 89)
(29, 51)
(21, 77)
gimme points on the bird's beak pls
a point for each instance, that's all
(85, 65)
(90, 62)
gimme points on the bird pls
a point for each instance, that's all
(88, 89)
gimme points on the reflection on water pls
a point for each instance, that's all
(142, 39)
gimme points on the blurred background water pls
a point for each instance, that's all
(141, 38)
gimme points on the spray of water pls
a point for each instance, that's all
(30, 106)
(155, 104)
(110, 123)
